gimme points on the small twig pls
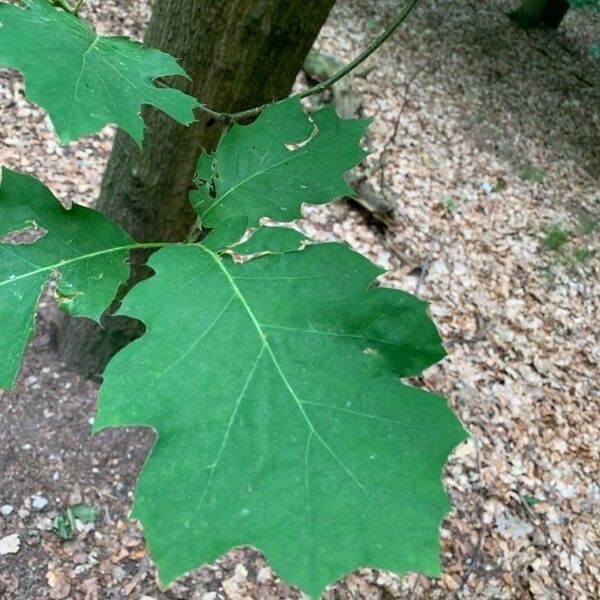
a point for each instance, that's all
(383, 157)
(481, 508)
(483, 328)
(528, 510)
(321, 87)
(475, 555)
(392, 137)
(426, 264)
(193, 233)
(542, 527)
(399, 252)
(413, 589)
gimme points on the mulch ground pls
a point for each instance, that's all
(486, 144)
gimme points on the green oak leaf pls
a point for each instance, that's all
(271, 167)
(84, 247)
(274, 387)
(82, 79)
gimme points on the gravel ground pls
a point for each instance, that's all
(486, 142)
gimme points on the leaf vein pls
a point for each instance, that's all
(279, 369)
(236, 408)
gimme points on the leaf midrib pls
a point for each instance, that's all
(293, 155)
(266, 346)
(62, 263)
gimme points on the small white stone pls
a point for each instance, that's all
(80, 569)
(241, 574)
(45, 524)
(10, 544)
(264, 575)
(6, 510)
(39, 502)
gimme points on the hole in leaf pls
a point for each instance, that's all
(28, 235)
(212, 189)
(293, 146)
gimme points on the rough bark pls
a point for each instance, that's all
(239, 54)
(536, 13)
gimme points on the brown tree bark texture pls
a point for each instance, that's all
(238, 54)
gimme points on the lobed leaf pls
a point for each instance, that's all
(85, 80)
(84, 247)
(274, 387)
(273, 166)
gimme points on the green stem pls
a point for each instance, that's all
(78, 8)
(62, 4)
(321, 87)
(193, 232)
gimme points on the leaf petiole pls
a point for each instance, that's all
(64, 4)
(78, 8)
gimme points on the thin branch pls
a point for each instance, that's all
(324, 85)
(426, 265)
(194, 232)
(371, 48)
(392, 138)
(483, 328)
(475, 557)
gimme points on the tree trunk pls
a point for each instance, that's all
(239, 54)
(536, 13)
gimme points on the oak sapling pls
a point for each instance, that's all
(271, 368)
